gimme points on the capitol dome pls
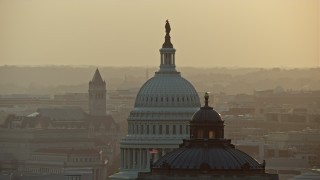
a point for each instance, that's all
(160, 118)
(165, 90)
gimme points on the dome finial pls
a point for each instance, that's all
(168, 28)
(167, 43)
(206, 97)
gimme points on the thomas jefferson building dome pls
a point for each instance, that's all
(207, 154)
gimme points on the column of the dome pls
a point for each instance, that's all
(121, 158)
(127, 158)
(134, 159)
(124, 158)
(145, 158)
(140, 158)
(131, 158)
(148, 160)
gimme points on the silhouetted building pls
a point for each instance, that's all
(207, 154)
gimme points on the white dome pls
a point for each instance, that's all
(160, 118)
(167, 90)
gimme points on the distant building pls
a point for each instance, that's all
(303, 144)
(97, 95)
(33, 139)
(97, 122)
(207, 154)
(163, 108)
(64, 118)
(53, 161)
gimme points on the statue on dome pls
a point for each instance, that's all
(168, 28)
(167, 43)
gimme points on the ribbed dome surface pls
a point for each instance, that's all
(165, 90)
(213, 158)
(206, 114)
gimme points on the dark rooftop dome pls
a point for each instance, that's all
(215, 156)
(206, 123)
(207, 151)
(206, 113)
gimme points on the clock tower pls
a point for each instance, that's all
(97, 95)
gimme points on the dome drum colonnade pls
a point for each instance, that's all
(160, 119)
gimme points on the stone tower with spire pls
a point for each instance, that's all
(97, 95)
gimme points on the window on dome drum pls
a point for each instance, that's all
(154, 129)
(187, 129)
(200, 134)
(161, 99)
(147, 129)
(167, 99)
(156, 99)
(174, 129)
(180, 129)
(137, 129)
(160, 129)
(212, 135)
(167, 129)
(172, 99)
(177, 99)
(182, 99)
(141, 129)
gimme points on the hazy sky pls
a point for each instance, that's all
(232, 33)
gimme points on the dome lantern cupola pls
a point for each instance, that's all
(167, 54)
(206, 123)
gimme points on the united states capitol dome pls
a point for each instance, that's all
(167, 95)
(165, 90)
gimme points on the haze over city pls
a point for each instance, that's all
(159, 90)
(228, 33)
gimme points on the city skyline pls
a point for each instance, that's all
(153, 90)
(207, 34)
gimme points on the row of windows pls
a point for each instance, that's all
(82, 159)
(158, 129)
(43, 170)
(159, 115)
(97, 96)
(166, 99)
(85, 159)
